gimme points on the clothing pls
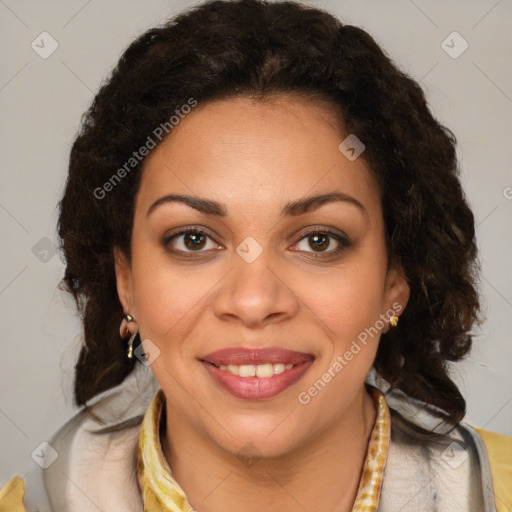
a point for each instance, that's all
(98, 451)
(160, 491)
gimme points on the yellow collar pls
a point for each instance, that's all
(161, 492)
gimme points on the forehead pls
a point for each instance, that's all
(252, 154)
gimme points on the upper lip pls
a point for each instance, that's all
(242, 355)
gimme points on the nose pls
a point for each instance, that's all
(255, 294)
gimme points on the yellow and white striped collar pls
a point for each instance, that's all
(162, 493)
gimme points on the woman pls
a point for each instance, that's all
(266, 235)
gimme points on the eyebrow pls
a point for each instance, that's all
(293, 208)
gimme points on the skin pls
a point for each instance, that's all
(254, 156)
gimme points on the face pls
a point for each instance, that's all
(262, 265)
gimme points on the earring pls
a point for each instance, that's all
(124, 332)
(393, 321)
(129, 352)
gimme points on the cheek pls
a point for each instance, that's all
(166, 297)
(347, 299)
(167, 307)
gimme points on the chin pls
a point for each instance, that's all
(271, 437)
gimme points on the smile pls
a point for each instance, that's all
(259, 374)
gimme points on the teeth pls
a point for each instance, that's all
(257, 370)
(265, 370)
(247, 370)
(278, 368)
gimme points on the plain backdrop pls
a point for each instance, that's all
(42, 99)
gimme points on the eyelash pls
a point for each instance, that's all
(343, 242)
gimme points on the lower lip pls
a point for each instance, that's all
(257, 388)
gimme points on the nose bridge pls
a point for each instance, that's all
(253, 291)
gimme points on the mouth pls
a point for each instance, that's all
(256, 373)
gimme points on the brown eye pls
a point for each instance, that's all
(319, 241)
(189, 240)
(323, 242)
(194, 241)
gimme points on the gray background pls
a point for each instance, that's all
(41, 101)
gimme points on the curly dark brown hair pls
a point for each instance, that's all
(252, 47)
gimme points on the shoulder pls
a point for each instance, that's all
(82, 469)
(11, 495)
(91, 464)
(499, 450)
(448, 470)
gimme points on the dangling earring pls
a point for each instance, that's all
(124, 332)
(393, 321)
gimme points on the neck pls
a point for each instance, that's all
(322, 474)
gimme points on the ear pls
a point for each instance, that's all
(396, 292)
(124, 281)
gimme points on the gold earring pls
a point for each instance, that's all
(393, 321)
(124, 332)
(129, 352)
